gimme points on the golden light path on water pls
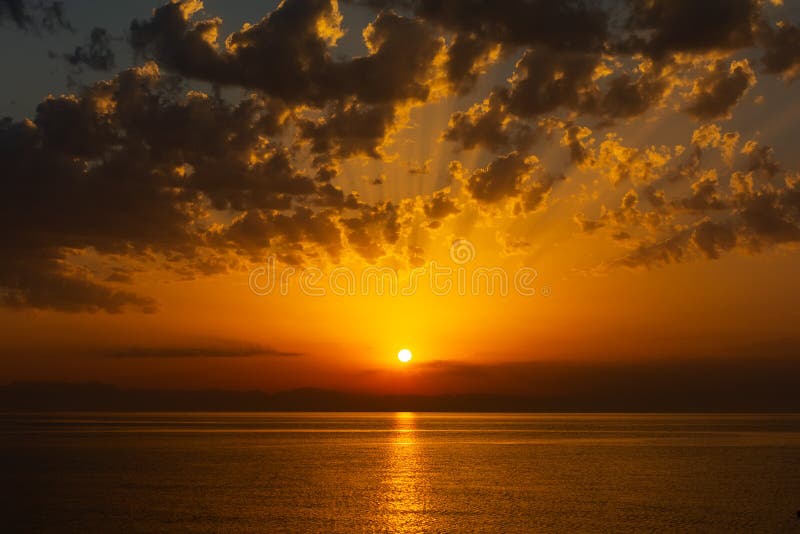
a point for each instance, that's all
(406, 488)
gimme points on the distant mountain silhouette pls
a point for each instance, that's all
(56, 396)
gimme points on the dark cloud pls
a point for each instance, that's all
(375, 228)
(714, 95)
(513, 176)
(656, 197)
(571, 24)
(39, 279)
(502, 178)
(707, 238)
(714, 238)
(781, 50)
(662, 27)
(753, 213)
(349, 130)
(295, 235)
(545, 80)
(627, 215)
(488, 124)
(748, 378)
(705, 195)
(587, 225)
(96, 54)
(768, 216)
(131, 168)
(218, 350)
(752, 218)
(605, 75)
(657, 28)
(334, 197)
(440, 205)
(657, 253)
(399, 66)
(537, 192)
(761, 159)
(120, 276)
(67, 186)
(419, 169)
(465, 56)
(35, 15)
(573, 139)
(287, 54)
(629, 96)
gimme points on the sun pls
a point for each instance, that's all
(404, 355)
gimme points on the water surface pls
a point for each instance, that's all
(400, 472)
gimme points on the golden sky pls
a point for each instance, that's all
(636, 159)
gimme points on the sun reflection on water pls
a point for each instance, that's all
(406, 488)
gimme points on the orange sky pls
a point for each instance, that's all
(662, 224)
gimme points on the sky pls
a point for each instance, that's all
(599, 185)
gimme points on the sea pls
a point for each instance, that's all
(399, 472)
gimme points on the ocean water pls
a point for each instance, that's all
(404, 472)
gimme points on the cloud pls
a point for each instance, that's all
(34, 15)
(710, 135)
(46, 282)
(578, 140)
(750, 219)
(545, 80)
(714, 95)
(781, 50)
(714, 238)
(488, 124)
(629, 95)
(562, 25)
(513, 176)
(761, 159)
(621, 164)
(671, 26)
(748, 378)
(536, 193)
(294, 40)
(96, 54)
(349, 130)
(375, 228)
(704, 195)
(219, 350)
(694, 210)
(131, 167)
(297, 236)
(440, 205)
(467, 58)
(627, 215)
(419, 169)
(502, 178)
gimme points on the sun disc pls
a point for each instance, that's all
(404, 355)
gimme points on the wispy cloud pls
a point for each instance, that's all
(227, 350)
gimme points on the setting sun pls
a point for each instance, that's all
(404, 355)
